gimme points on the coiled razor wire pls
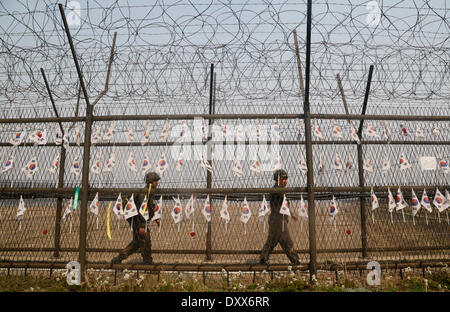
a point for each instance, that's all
(164, 50)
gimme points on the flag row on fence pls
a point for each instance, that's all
(40, 137)
(371, 132)
(178, 212)
(398, 202)
(31, 167)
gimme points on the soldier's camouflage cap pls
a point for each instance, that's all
(280, 173)
(151, 176)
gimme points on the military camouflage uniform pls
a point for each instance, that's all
(139, 242)
(276, 233)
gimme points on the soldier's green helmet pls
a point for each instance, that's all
(279, 174)
(151, 176)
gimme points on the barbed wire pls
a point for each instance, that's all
(162, 61)
(164, 51)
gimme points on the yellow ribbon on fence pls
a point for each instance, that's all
(126, 198)
(148, 196)
(108, 228)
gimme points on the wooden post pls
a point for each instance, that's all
(299, 65)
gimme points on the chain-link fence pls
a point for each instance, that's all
(43, 233)
(225, 112)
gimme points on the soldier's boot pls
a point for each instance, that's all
(296, 262)
(147, 256)
(125, 253)
(116, 260)
(147, 249)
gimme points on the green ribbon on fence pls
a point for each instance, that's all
(75, 200)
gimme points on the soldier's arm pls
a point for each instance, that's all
(292, 211)
(151, 210)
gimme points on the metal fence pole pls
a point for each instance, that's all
(362, 201)
(85, 190)
(86, 154)
(62, 161)
(208, 174)
(309, 156)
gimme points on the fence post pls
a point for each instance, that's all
(299, 64)
(86, 154)
(62, 161)
(309, 156)
(208, 174)
(85, 190)
(362, 201)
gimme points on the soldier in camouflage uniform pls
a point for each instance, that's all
(141, 237)
(276, 233)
